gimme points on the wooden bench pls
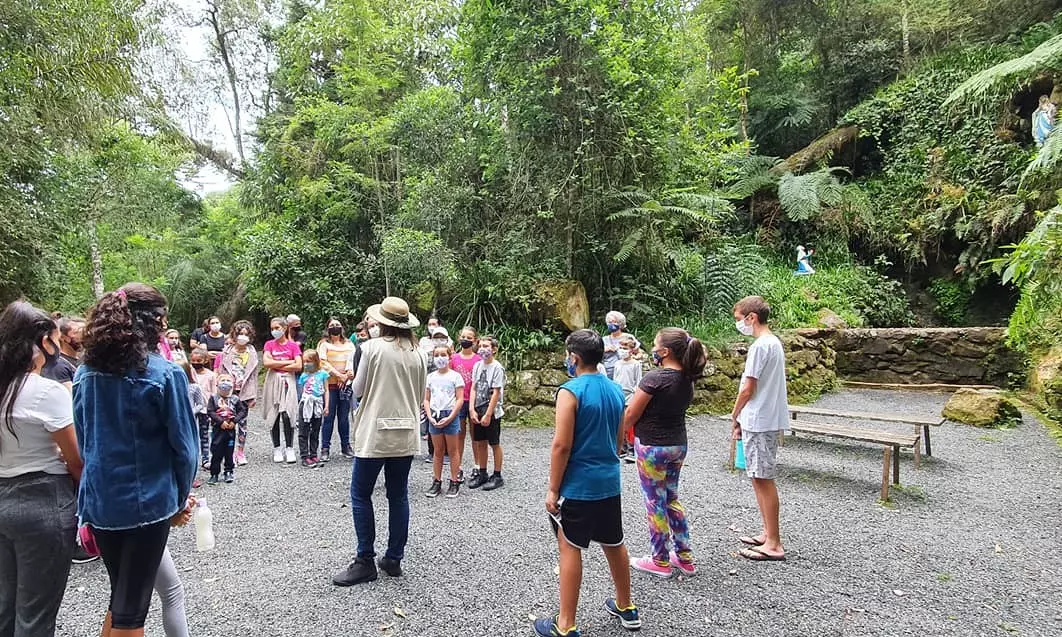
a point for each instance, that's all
(892, 441)
(919, 423)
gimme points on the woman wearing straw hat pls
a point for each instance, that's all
(390, 380)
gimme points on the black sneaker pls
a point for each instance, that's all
(435, 490)
(228, 477)
(461, 476)
(359, 571)
(324, 455)
(393, 568)
(348, 453)
(493, 482)
(81, 556)
(213, 481)
(478, 479)
(452, 491)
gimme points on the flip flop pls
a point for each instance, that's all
(751, 541)
(757, 556)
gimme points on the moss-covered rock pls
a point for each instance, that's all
(981, 408)
(561, 305)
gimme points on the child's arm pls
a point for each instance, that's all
(427, 405)
(460, 395)
(633, 413)
(241, 412)
(472, 397)
(748, 388)
(561, 450)
(495, 395)
(212, 411)
(325, 381)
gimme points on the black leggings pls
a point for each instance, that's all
(289, 432)
(132, 558)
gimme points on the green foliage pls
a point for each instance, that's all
(1033, 265)
(986, 83)
(952, 301)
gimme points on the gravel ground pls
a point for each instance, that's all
(968, 547)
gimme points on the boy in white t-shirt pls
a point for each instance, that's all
(443, 399)
(486, 395)
(627, 373)
(761, 418)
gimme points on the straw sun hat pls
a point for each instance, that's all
(393, 311)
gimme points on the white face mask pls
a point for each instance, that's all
(277, 333)
(374, 331)
(243, 339)
(744, 328)
(624, 353)
(441, 362)
(215, 327)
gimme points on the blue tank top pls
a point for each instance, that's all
(593, 471)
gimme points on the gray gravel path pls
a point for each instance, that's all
(969, 547)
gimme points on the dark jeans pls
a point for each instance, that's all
(37, 529)
(309, 432)
(204, 437)
(222, 446)
(336, 408)
(289, 432)
(132, 558)
(396, 479)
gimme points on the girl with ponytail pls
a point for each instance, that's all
(140, 446)
(657, 412)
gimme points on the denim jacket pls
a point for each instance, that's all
(139, 442)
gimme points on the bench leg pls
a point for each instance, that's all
(918, 453)
(885, 474)
(733, 453)
(896, 465)
(925, 434)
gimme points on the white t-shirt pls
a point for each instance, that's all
(627, 375)
(41, 408)
(444, 390)
(768, 409)
(487, 378)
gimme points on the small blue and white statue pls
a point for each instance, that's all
(804, 262)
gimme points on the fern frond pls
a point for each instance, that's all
(799, 195)
(975, 89)
(629, 245)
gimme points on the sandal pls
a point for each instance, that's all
(758, 556)
(751, 541)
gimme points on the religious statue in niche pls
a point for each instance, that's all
(804, 261)
(1043, 120)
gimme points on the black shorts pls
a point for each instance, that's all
(491, 433)
(132, 558)
(586, 521)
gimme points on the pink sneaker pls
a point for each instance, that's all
(241, 459)
(647, 565)
(686, 568)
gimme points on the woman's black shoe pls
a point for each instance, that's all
(359, 571)
(391, 567)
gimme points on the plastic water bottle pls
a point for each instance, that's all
(739, 454)
(204, 527)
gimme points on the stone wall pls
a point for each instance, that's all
(810, 363)
(961, 356)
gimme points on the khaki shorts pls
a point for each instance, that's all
(761, 453)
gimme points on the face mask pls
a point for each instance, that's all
(224, 387)
(441, 362)
(571, 366)
(744, 328)
(374, 331)
(277, 333)
(485, 353)
(624, 353)
(657, 359)
(335, 330)
(49, 359)
(296, 328)
(466, 344)
(174, 343)
(612, 328)
(198, 366)
(243, 339)
(309, 369)
(215, 327)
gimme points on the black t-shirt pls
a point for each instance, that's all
(197, 334)
(663, 423)
(61, 370)
(213, 343)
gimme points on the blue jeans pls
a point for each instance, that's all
(363, 478)
(342, 409)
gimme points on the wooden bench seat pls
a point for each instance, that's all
(892, 442)
(919, 423)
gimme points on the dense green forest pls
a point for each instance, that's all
(670, 156)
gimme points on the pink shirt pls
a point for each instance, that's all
(289, 351)
(464, 366)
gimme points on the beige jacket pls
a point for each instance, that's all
(390, 382)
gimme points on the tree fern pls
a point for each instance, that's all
(1047, 56)
(1048, 158)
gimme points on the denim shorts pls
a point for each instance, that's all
(452, 429)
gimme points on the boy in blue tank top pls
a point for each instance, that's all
(583, 499)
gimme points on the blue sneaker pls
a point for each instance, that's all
(548, 628)
(628, 616)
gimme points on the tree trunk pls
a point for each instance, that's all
(97, 259)
(230, 72)
(905, 28)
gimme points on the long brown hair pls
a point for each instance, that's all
(123, 328)
(399, 334)
(23, 327)
(686, 349)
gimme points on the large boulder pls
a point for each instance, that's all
(1047, 378)
(561, 305)
(830, 320)
(982, 408)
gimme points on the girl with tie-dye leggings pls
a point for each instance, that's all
(657, 412)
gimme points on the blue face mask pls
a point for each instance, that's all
(613, 328)
(571, 366)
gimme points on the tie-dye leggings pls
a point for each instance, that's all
(658, 469)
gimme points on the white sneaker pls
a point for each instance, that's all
(289, 456)
(278, 454)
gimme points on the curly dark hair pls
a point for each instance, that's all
(244, 326)
(23, 327)
(123, 328)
